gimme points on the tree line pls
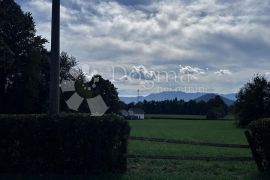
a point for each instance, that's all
(214, 108)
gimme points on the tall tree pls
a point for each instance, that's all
(21, 52)
(253, 101)
(24, 63)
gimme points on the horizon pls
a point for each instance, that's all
(218, 45)
(141, 95)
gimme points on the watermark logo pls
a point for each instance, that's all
(83, 91)
(184, 78)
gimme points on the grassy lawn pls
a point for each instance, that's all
(198, 130)
(173, 116)
(183, 117)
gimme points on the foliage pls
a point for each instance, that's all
(25, 67)
(181, 107)
(108, 92)
(67, 62)
(103, 87)
(21, 55)
(261, 134)
(217, 108)
(25, 63)
(68, 143)
(253, 101)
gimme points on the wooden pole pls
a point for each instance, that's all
(55, 58)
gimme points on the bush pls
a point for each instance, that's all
(67, 143)
(261, 134)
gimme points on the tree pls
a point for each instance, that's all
(21, 54)
(216, 108)
(24, 63)
(67, 62)
(215, 113)
(253, 101)
(93, 88)
(108, 92)
(6, 61)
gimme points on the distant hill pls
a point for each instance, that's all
(229, 98)
(207, 97)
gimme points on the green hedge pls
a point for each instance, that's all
(67, 143)
(261, 133)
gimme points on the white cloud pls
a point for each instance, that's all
(222, 72)
(141, 73)
(267, 75)
(190, 70)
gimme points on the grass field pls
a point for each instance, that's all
(199, 130)
(196, 130)
(183, 117)
(174, 116)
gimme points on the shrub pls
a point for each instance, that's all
(261, 134)
(67, 143)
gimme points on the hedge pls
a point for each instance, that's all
(261, 136)
(67, 143)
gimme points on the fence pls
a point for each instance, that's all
(196, 143)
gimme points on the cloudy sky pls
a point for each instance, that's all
(164, 45)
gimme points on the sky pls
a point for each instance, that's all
(163, 45)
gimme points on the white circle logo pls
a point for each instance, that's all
(96, 104)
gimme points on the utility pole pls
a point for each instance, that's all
(55, 59)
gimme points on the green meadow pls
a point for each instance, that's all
(195, 130)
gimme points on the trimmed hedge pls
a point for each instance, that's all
(261, 134)
(67, 143)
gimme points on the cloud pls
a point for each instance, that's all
(141, 73)
(190, 70)
(222, 72)
(267, 75)
(162, 34)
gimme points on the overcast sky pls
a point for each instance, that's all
(164, 45)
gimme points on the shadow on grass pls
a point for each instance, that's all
(262, 176)
(60, 177)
